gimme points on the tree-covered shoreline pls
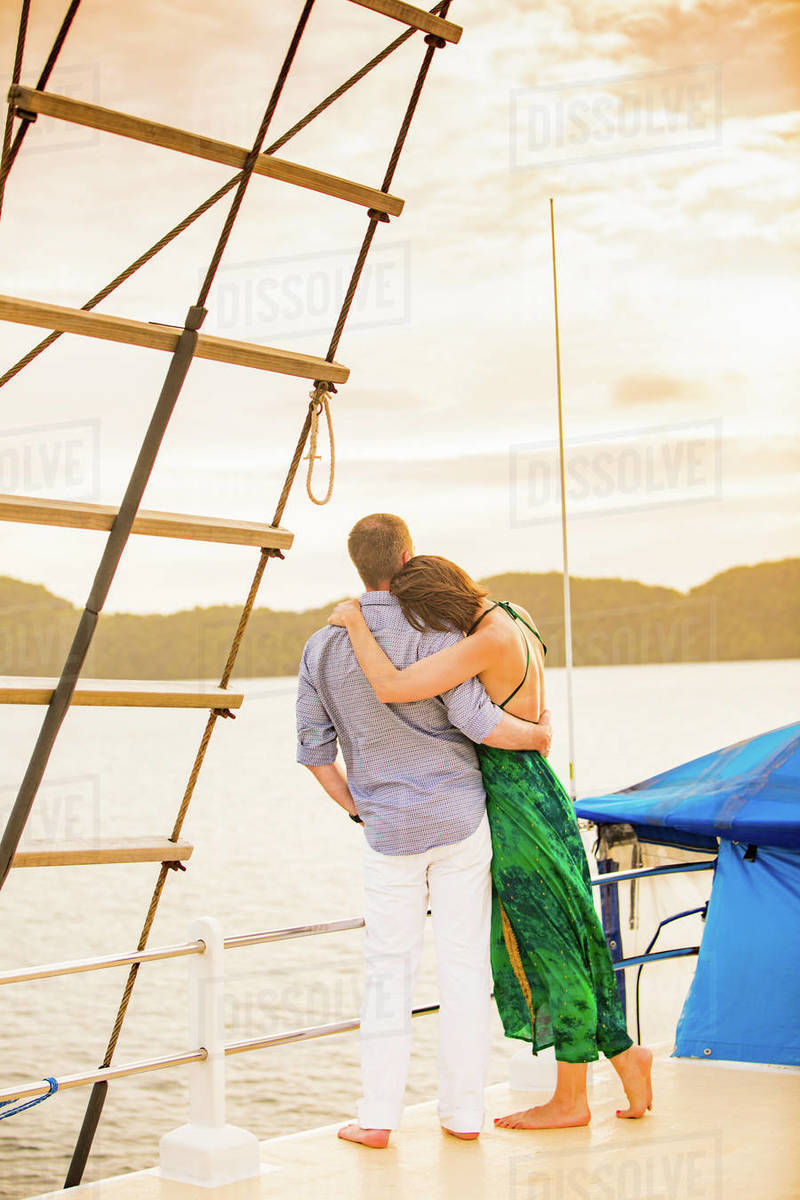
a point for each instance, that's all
(743, 613)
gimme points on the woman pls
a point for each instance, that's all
(553, 978)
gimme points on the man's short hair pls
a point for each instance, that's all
(376, 545)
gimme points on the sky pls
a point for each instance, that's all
(667, 135)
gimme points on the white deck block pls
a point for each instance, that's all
(209, 1156)
(530, 1072)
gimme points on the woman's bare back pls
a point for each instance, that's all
(508, 666)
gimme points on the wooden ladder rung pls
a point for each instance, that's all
(31, 510)
(92, 116)
(120, 693)
(418, 18)
(165, 337)
(83, 852)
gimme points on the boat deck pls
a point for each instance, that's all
(717, 1132)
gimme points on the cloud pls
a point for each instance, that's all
(655, 388)
(674, 267)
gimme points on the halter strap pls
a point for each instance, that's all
(512, 612)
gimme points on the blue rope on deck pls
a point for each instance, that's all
(12, 1112)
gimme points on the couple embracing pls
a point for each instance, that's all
(435, 696)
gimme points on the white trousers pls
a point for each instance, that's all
(455, 882)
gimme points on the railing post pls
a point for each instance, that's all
(609, 909)
(207, 1152)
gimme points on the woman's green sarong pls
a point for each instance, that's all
(554, 983)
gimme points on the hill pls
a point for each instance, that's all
(742, 613)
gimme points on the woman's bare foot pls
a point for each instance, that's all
(553, 1115)
(634, 1067)
(465, 1137)
(566, 1108)
(376, 1139)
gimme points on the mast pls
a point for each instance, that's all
(567, 597)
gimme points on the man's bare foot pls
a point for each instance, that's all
(546, 1116)
(465, 1137)
(634, 1071)
(376, 1139)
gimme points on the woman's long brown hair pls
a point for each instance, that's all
(434, 593)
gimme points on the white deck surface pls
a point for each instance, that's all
(716, 1132)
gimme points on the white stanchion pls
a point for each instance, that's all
(207, 1152)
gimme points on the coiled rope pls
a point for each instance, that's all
(319, 405)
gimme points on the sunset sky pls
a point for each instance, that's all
(668, 135)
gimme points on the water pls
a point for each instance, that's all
(272, 850)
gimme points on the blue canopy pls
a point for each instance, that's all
(744, 1002)
(748, 792)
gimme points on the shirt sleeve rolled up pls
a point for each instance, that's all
(470, 710)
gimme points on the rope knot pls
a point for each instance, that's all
(20, 1106)
(319, 404)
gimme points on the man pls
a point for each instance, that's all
(414, 782)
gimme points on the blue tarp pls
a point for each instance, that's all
(744, 1002)
(749, 792)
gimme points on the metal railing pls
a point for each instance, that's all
(79, 965)
(314, 1031)
(81, 1079)
(648, 872)
(76, 967)
(198, 946)
(40, 1088)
